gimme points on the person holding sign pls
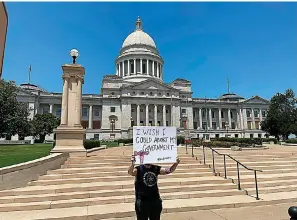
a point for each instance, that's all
(148, 203)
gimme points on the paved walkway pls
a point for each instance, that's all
(269, 212)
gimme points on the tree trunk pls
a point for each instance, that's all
(41, 138)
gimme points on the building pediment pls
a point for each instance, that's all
(256, 100)
(22, 92)
(151, 84)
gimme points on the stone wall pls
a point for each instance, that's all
(21, 174)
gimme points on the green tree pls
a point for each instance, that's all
(13, 114)
(281, 117)
(44, 124)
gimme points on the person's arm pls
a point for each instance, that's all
(132, 170)
(165, 171)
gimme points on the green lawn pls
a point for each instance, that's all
(14, 154)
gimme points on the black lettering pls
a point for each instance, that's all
(164, 131)
(137, 131)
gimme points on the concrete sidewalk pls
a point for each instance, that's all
(269, 212)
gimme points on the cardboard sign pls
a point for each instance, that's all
(154, 144)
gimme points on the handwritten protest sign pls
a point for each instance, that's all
(154, 144)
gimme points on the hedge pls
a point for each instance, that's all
(125, 141)
(225, 144)
(89, 144)
(274, 140)
(249, 141)
(291, 141)
(180, 140)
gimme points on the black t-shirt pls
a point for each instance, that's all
(146, 182)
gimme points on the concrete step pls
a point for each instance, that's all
(66, 203)
(123, 210)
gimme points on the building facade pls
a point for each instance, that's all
(3, 32)
(137, 95)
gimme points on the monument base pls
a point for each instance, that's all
(70, 140)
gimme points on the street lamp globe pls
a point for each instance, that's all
(74, 54)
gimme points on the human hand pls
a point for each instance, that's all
(177, 160)
(133, 159)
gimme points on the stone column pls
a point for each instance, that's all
(51, 108)
(141, 67)
(147, 67)
(220, 118)
(147, 114)
(172, 123)
(134, 66)
(78, 103)
(158, 70)
(200, 118)
(253, 119)
(210, 118)
(237, 119)
(229, 118)
(138, 115)
(244, 119)
(241, 118)
(123, 65)
(153, 68)
(164, 115)
(129, 68)
(120, 74)
(156, 115)
(91, 117)
(117, 69)
(64, 110)
(260, 118)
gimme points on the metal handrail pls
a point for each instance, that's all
(225, 168)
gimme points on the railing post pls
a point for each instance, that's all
(225, 168)
(256, 182)
(192, 150)
(186, 148)
(293, 212)
(213, 162)
(238, 176)
(203, 154)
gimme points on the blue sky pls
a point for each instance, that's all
(254, 44)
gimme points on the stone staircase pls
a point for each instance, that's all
(98, 187)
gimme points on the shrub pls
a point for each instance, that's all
(250, 141)
(125, 141)
(291, 141)
(89, 144)
(274, 140)
(180, 140)
(225, 144)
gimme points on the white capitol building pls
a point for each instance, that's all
(137, 95)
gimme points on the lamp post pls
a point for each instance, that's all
(74, 54)
(112, 125)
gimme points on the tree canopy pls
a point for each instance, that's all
(281, 119)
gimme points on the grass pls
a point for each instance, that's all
(15, 154)
(109, 143)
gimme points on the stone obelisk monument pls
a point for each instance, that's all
(70, 133)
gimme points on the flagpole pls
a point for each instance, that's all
(29, 74)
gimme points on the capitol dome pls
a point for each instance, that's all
(139, 58)
(139, 37)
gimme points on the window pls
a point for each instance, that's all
(159, 94)
(194, 114)
(132, 67)
(167, 94)
(184, 111)
(112, 93)
(248, 114)
(96, 136)
(150, 110)
(232, 125)
(45, 110)
(204, 125)
(132, 109)
(167, 111)
(259, 135)
(167, 123)
(132, 123)
(141, 110)
(214, 125)
(217, 135)
(96, 124)
(151, 93)
(150, 123)
(143, 67)
(222, 114)
(212, 114)
(236, 135)
(231, 114)
(158, 110)
(58, 112)
(84, 112)
(203, 114)
(142, 93)
(249, 125)
(264, 113)
(134, 93)
(141, 122)
(112, 109)
(251, 135)
(256, 113)
(159, 123)
(195, 125)
(96, 112)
